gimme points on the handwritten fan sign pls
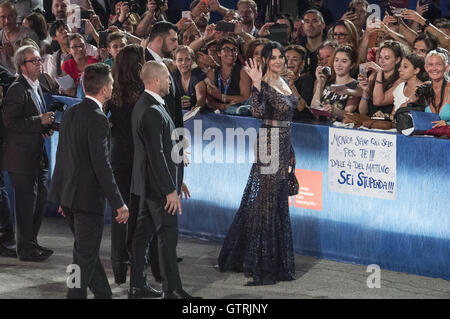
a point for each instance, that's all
(362, 163)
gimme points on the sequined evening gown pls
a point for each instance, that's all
(259, 241)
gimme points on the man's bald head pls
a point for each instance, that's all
(155, 76)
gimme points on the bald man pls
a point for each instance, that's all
(155, 180)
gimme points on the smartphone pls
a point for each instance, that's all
(85, 14)
(351, 10)
(102, 37)
(278, 32)
(82, 29)
(186, 14)
(225, 26)
(397, 11)
(423, 2)
(362, 70)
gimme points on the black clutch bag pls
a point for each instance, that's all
(293, 186)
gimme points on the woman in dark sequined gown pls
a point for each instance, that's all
(259, 241)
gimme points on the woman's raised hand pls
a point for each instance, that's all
(253, 70)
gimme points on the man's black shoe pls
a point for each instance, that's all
(7, 250)
(146, 292)
(34, 255)
(178, 294)
(45, 250)
(120, 272)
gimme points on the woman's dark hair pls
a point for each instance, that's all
(251, 46)
(228, 40)
(418, 61)
(352, 55)
(430, 41)
(55, 26)
(399, 52)
(266, 53)
(38, 24)
(125, 72)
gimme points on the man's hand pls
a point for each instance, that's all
(61, 212)
(122, 214)
(185, 191)
(49, 133)
(173, 203)
(47, 118)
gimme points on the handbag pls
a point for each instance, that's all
(293, 186)
(379, 124)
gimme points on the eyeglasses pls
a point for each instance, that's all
(79, 47)
(227, 50)
(34, 61)
(340, 35)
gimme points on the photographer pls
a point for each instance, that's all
(436, 64)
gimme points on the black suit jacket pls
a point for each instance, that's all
(173, 99)
(24, 150)
(83, 176)
(155, 174)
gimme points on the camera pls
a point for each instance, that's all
(58, 108)
(134, 6)
(326, 70)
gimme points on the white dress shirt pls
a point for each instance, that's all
(155, 55)
(156, 96)
(100, 105)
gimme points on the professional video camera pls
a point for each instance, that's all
(58, 108)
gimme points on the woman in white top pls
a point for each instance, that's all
(412, 74)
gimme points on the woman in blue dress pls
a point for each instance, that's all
(259, 241)
(436, 64)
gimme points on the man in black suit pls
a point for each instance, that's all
(7, 237)
(83, 177)
(25, 158)
(163, 40)
(155, 178)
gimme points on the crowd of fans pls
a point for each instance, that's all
(347, 65)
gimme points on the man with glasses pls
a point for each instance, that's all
(25, 158)
(313, 26)
(11, 34)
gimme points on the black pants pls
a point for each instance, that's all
(30, 201)
(152, 221)
(122, 234)
(87, 229)
(119, 233)
(6, 227)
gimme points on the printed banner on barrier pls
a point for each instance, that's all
(310, 190)
(362, 163)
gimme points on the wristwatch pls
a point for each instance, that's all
(426, 24)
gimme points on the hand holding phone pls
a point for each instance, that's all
(362, 70)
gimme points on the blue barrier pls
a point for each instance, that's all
(409, 234)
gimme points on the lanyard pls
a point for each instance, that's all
(227, 83)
